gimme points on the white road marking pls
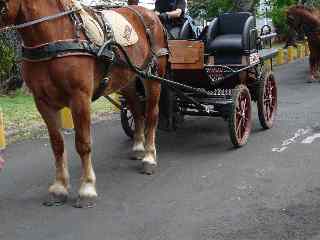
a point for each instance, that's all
(279, 150)
(311, 139)
(285, 144)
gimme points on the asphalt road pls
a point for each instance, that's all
(204, 189)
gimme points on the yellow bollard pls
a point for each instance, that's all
(303, 51)
(280, 57)
(116, 98)
(267, 63)
(2, 132)
(66, 119)
(307, 49)
(299, 51)
(290, 53)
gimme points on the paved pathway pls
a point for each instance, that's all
(204, 190)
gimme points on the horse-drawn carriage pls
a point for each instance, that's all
(218, 73)
(99, 52)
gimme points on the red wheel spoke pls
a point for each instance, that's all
(239, 127)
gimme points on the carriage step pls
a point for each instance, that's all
(210, 101)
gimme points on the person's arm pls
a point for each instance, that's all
(181, 8)
(175, 14)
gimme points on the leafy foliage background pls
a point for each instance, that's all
(10, 78)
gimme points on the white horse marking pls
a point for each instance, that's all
(149, 159)
(138, 147)
(88, 190)
(58, 189)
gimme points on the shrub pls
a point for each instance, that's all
(278, 15)
(10, 78)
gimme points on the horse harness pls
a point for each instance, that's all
(310, 30)
(107, 53)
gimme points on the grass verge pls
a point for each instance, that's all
(22, 120)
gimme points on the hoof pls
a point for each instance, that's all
(311, 79)
(55, 200)
(148, 168)
(85, 202)
(138, 155)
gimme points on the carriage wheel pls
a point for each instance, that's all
(267, 101)
(127, 121)
(240, 116)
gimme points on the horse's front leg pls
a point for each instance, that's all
(80, 107)
(58, 191)
(153, 89)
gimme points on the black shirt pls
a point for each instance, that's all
(171, 5)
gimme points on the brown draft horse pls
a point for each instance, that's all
(301, 18)
(72, 80)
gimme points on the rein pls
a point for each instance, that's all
(40, 20)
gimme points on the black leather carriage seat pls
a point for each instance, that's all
(231, 33)
(187, 32)
(183, 33)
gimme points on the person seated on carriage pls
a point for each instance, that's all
(172, 15)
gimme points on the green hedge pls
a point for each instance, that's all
(10, 78)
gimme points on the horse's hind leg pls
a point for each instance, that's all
(80, 107)
(313, 68)
(153, 89)
(135, 106)
(58, 191)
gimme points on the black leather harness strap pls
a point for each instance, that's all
(106, 53)
(55, 49)
(308, 30)
(150, 38)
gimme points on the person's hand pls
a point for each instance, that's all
(164, 17)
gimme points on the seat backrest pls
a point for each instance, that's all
(212, 30)
(240, 24)
(233, 23)
(187, 32)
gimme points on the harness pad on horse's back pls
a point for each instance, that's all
(122, 31)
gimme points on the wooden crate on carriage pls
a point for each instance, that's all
(186, 54)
